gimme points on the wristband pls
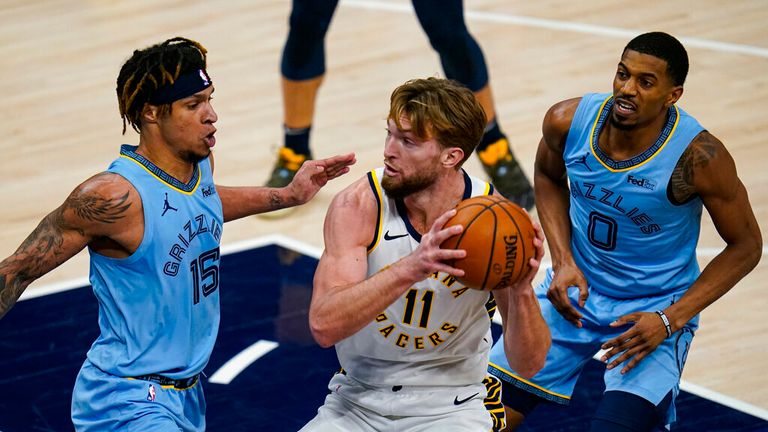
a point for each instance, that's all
(665, 320)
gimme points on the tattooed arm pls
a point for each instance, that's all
(706, 169)
(94, 211)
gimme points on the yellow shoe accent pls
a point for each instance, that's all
(291, 159)
(495, 152)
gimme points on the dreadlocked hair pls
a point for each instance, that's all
(151, 68)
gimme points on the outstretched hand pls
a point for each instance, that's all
(641, 339)
(314, 174)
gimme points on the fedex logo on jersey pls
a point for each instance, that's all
(208, 191)
(644, 183)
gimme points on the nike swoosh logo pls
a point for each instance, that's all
(456, 400)
(389, 237)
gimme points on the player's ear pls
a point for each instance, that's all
(674, 95)
(452, 157)
(150, 113)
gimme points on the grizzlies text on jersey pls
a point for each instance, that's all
(621, 211)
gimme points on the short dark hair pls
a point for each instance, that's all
(665, 47)
(151, 68)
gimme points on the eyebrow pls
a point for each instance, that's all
(642, 74)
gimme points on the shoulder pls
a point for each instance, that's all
(352, 215)
(705, 152)
(557, 120)
(106, 185)
(102, 199)
(560, 115)
(357, 197)
(705, 166)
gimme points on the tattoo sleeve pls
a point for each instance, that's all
(55, 240)
(697, 155)
(40, 252)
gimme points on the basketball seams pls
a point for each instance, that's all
(493, 247)
(469, 224)
(489, 239)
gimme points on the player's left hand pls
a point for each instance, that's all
(314, 174)
(638, 341)
(525, 283)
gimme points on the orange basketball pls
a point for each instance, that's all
(498, 237)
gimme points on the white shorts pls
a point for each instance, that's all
(351, 406)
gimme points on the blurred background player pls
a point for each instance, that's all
(621, 180)
(303, 69)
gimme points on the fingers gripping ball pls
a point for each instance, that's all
(498, 237)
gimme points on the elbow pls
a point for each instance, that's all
(530, 366)
(528, 363)
(320, 331)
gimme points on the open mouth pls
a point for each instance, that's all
(210, 139)
(624, 108)
(389, 171)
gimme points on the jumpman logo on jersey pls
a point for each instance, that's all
(583, 160)
(167, 206)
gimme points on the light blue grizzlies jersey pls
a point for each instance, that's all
(438, 332)
(627, 237)
(159, 307)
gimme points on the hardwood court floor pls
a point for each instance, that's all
(60, 124)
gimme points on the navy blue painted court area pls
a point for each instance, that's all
(265, 294)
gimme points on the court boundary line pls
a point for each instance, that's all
(315, 252)
(568, 26)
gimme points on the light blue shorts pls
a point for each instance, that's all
(652, 379)
(103, 402)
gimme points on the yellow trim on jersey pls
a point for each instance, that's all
(487, 190)
(380, 196)
(168, 386)
(593, 144)
(528, 382)
(199, 177)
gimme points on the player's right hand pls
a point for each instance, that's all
(428, 257)
(567, 277)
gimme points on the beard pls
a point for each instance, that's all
(407, 186)
(616, 122)
(195, 157)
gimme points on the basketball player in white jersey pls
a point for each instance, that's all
(413, 342)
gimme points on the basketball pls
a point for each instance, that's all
(498, 237)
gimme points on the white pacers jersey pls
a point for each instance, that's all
(438, 333)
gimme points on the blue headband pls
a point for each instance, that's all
(184, 86)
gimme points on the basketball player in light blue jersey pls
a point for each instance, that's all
(413, 342)
(152, 224)
(620, 183)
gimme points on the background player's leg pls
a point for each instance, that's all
(463, 60)
(302, 67)
(517, 405)
(625, 412)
